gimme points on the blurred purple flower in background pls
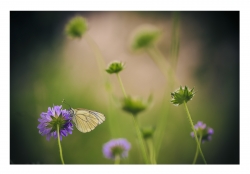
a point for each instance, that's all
(204, 131)
(116, 147)
(53, 117)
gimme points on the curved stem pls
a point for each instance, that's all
(197, 150)
(59, 144)
(195, 134)
(117, 159)
(120, 81)
(139, 134)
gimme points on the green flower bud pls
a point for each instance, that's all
(134, 105)
(181, 95)
(148, 132)
(76, 27)
(144, 37)
(115, 67)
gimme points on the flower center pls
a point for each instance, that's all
(56, 120)
(117, 150)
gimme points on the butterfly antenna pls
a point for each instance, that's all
(63, 101)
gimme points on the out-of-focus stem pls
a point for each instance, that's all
(151, 149)
(101, 66)
(123, 89)
(139, 135)
(117, 159)
(175, 40)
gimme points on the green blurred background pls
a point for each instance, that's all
(46, 67)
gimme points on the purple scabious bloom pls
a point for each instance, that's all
(53, 117)
(204, 131)
(116, 147)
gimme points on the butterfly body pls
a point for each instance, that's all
(86, 120)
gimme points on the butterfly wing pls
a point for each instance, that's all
(99, 116)
(86, 120)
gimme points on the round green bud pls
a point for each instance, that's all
(76, 27)
(147, 132)
(133, 105)
(144, 37)
(115, 67)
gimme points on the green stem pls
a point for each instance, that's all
(139, 134)
(160, 130)
(117, 159)
(197, 150)
(166, 70)
(120, 81)
(101, 66)
(195, 134)
(151, 150)
(99, 59)
(59, 144)
(175, 40)
(136, 125)
(158, 60)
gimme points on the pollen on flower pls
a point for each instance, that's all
(53, 117)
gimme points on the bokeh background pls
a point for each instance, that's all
(46, 66)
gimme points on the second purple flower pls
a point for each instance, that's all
(204, 131)
(116, 147)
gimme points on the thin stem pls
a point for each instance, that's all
(120, 81)
(117, 159)
(139, 134)
(197, 150)
(175, 40)
(166, 70)
(59, 144)
(136, 125)
(158, 60)
(101, 66)
(160, 130)
(195, 134)
(151, 150)
(98, 55)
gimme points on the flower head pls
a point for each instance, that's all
(115, 67)
(181, 95)
(148, 131)
(134, 105)
(53, 117)
(204, 131)
(144, 37)
(116, 147)
(76, 27)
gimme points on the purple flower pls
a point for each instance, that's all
(116, 147)
(53, 117)
(204, 131)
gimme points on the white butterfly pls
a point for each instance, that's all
(86, 120)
